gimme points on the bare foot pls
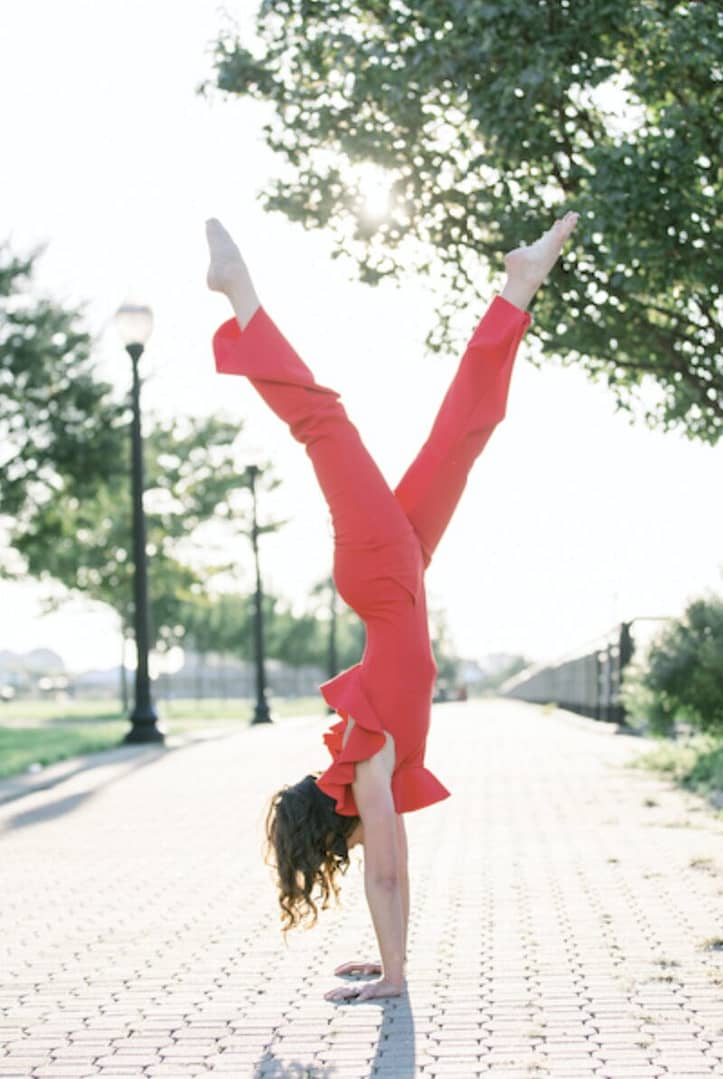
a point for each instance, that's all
(358, 968)
(228, 273)
(527, 267)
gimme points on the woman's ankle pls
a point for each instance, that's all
(245, 303)
(519, 293)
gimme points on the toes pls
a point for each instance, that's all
(565, 224)
(338, 995)
(567, 219)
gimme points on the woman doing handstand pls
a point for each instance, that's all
(383, 543)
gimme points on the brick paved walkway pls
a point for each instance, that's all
(564, 913)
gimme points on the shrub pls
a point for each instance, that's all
(682, 679)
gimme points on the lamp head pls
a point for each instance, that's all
(134, 323)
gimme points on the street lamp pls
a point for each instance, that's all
(134, 324)
(261, 712)
(332, 656)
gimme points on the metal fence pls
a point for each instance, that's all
(589, 682)
(210, 677)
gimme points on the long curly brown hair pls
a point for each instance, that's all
(306, 842)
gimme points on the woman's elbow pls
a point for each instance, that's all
(385, 882)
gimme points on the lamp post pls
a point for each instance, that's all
(261, 712)
(134, 324)
(332, 656)
(333, 659)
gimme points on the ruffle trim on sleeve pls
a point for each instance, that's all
(345, 694)
(413, 785)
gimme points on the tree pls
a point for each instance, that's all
(60, 430)
(513, 666)
(220, 624)
(350, 638)
(85, 542)
(681, 679)
(486, 116)
(445, 654)
(295, 639)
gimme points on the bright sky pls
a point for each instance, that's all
(572, 519)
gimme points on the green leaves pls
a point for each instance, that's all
(224, 624)
(59, 427)
(683, 681)
(489, 119)
(193, 485)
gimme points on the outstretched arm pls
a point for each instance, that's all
(364, 967)
(383, 884)
(384, 879)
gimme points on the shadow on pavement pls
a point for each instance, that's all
(271, 1068)
(67, 804)
(395, 1048)
(394, 1057)
(49, 811)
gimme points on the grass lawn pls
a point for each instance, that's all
(44, 732)
(695, 763)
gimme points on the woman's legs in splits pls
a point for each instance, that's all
(473, 406)
(476, 400)
(365, 514)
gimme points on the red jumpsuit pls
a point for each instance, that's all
(383, 540)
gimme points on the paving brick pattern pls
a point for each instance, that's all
(564, 916)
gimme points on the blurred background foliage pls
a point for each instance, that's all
(480, 120)
(680, 684)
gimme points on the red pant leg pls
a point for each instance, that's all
(473, 406)
(374, 542)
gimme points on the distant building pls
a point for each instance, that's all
(485, 673)
(42, 673)
(30, 674)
